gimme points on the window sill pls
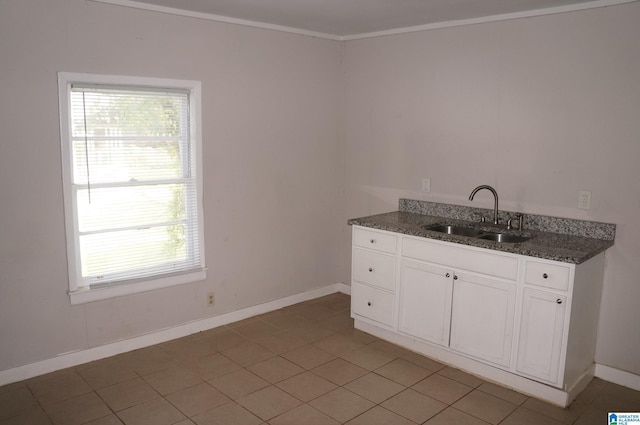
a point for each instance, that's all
(87, 295)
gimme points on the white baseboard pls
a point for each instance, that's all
(75, 358)
(344, 288)
(617, 376)
(582, 383)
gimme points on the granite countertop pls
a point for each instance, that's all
(551, 238)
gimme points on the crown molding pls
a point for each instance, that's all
(493, 18)
(217, 18)
(437, 25)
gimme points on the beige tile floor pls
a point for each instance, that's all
(302, 365)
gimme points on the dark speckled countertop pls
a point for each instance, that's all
(551, 238)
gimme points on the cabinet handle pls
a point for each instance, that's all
(370, 269)
(558, 301)
(447, 275)
(369, 303)
(455, 277)
(372, 241)
(544, 275)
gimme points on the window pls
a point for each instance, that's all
(132, 184)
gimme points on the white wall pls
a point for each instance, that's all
(538, 108)
(273, 167)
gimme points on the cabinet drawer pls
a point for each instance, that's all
(553, 276)
(485, 261)
(375, 240)
(374, 269)
(372, 303)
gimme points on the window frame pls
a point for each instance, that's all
(79, 294)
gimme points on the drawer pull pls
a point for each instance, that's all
(447, 275)
(370, 269)
(544, 275)
(372, 241)
(455, 277)
(369, 303)
(558, 301)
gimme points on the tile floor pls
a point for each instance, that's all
(302, 365)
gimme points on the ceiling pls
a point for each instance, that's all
(347, 19)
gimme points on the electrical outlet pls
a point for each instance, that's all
(211, 298)
(426, 184)
(584, 200)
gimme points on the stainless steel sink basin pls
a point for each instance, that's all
(451, 229)
(455, 230)
(503, 238)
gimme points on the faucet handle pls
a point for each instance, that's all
(520, 218)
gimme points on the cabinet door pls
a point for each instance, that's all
(425, 302)
(482, 318)
(541, 331)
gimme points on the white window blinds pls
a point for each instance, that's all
(134, 183)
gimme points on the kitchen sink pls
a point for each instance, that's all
(455, 230)
(504, 238)
(451, 229)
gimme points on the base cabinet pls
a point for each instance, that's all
(526, 321)
(373, 273)
(541, 332)
(468, 313)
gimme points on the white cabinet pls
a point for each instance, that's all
(543, 335)
(425, 301)
(373, 304)
(484, 261)
(483, 317)
(470, 313)
(371, 239)
(527, 322)
(373, 271)
(547, 274)
(541, 331)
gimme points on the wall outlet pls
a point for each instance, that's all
(426, 184)
(584, 200)
(211, 298)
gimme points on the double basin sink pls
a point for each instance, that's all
(450, 229)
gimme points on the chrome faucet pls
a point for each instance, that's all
(495, 197)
